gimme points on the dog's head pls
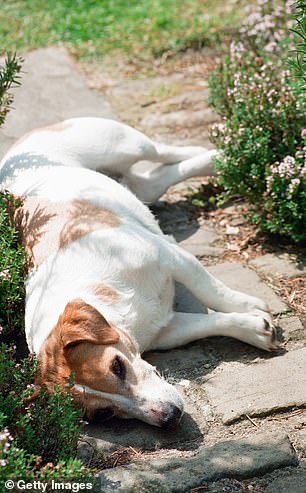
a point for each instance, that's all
(110, 377)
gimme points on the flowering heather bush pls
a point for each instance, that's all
(39, 433)
(285, 196)
(16, 464)
(38, 440)
(263, 110)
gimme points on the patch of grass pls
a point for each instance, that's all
(164, 91)
(95, 28)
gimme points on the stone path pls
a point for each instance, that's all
(248, 456)
(245, 425)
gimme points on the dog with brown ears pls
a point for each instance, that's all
(101, 288)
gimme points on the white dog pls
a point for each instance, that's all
(101, 289)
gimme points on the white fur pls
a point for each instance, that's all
(136, 259)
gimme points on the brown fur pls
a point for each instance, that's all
(46, 226)
(105, 293)
(85, 217)
(80, 323)
(83, 344)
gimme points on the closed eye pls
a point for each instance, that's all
(118, 368)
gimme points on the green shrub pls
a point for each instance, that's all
(16, 465)
(298, 59)
(263, 111)
(285, 196)
(9, 77)
(38, 438)
(12, 269)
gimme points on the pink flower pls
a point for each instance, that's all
(5, 274)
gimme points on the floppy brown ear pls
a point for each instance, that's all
(81, 322)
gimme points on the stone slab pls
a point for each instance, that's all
(186, 302)
(232, 458)
(174, 363)
(260, 389)
(182, 118)
(292, 483)
(51, 90)
(279, 265)
(188, 99)
(242, 279)
(292, 328)
(199, 242)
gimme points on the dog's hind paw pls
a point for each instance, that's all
(267, 336)
(259, 331)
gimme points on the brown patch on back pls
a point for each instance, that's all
(105, 293)
(47, 226)
(84, 218)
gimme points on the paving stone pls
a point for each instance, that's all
(189, 99)
(293, 483)
(282, 265)
(232, 458)
(133, 89)
(199, 243)
(186, 302)
(292, 328)
(182, 118)
(260, 389)
(290, 324)
(241, 278)
(52, 90)
(172, 363)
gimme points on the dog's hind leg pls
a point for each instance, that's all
(187, 327)
(213, 293)
(150, 185)
(242, 316)
(169, 154)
